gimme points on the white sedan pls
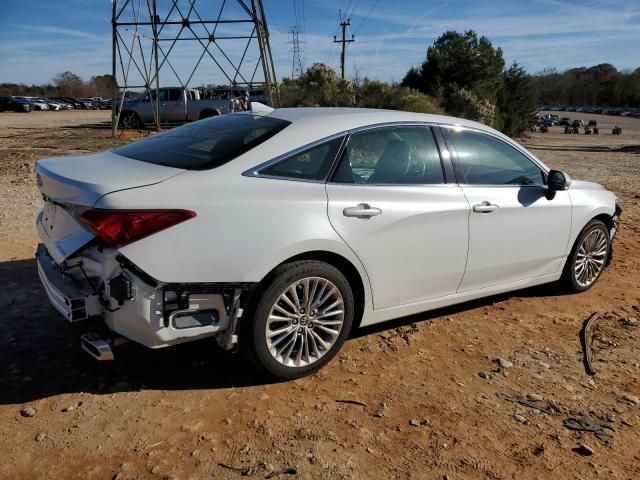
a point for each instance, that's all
(279, 231)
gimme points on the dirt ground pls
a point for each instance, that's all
(420, 397)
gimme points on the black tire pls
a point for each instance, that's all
(569, 279)
(130, 120)
(253, 331)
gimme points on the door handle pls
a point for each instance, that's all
(362, 210)
(484, 207)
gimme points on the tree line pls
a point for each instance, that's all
(601, 85)
(64, 84)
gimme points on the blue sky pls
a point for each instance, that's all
(39, 38)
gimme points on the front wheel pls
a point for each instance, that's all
(300, 320)
(588, 257)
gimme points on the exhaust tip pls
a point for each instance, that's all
(96, 346)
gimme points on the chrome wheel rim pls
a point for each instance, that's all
(591, 257)
(305, 322)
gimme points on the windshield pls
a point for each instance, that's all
(205, 144)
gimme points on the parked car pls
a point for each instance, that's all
(36, 103)
(71, 101)
(564, 122)
(61, 104)
(13, 104)
(592, 123)
(616, 130)
(86, 103)
(280, 231)
(176, 104)
(577, 123)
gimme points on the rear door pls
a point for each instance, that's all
(174, 107)
(390, 202)
(515, 232)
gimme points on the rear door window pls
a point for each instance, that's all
(399, 155)
(205, 144)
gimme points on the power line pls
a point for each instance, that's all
(304, 20)
(375, 4)
(354, 8)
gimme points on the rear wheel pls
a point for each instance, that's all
(130, 120)
(300, 320)
(588, 257)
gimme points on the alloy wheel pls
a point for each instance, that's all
(304, 322)
(591, 257)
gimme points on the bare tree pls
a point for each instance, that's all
(69, 84)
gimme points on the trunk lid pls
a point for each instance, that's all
(83, 179)
(73, 184)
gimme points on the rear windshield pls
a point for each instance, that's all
(205, 144)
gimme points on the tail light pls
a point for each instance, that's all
(118, 228)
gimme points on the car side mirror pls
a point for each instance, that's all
(556, 181)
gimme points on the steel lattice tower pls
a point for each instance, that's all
(296, 52)
(158, 43)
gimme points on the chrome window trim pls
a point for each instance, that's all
(346, 134)
(428, 185)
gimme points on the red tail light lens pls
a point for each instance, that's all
(118, 228)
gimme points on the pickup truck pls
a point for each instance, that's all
(176, 104)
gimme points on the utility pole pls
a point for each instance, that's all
(344, 42)
(295, 42)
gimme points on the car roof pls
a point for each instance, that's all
(314, 123)
(361, 117)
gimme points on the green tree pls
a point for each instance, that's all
(459, 61)
(515, 101)
(374, 94)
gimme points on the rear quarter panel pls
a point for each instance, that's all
(243, 229)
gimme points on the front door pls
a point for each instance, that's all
(515, 232)
(389, 202)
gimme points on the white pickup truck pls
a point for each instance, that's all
(175, 104)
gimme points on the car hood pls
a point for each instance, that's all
(584, 185)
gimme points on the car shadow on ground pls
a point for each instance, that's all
(40, 352)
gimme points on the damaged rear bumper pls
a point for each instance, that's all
(72, 299)
(101, 283)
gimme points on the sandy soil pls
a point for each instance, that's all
(422, 392)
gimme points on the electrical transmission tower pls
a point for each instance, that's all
(296, 51)
(160, 43)
(344, 43)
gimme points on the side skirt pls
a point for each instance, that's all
(378, 316)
